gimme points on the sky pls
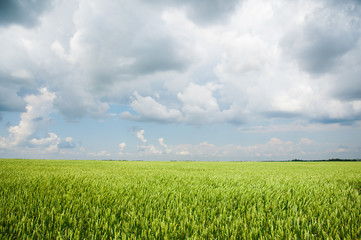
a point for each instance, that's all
(232, 80)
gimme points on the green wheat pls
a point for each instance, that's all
(48, 199)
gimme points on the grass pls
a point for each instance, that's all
(63, 199)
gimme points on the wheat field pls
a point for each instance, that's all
(76, 199)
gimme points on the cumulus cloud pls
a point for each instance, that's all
(134, 44)
(259, 63)
(45, 141)
(34, 121)
(149, 150)
(242, 53)
(140, 136)
(167, 150)
(196, 105)
(326, 45)
(121, 148)
(49, 143)
(84, 68)
(32, 130)
(264, 61)
(150, 110)
(134, 50)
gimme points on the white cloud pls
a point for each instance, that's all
(121, 148)
(49, 143)
(21, 73)
(45, 141)
(149, 150)
(198, 103)
(306, 141)
(167, 150)
(183, 153)
(273, 149)
(201, 151)
(59, 51)
(32, 130)
(161, 142)
(34, 121)
(100, 154)
(150, 110)
(3, 142)
(140, 136)
(292, 127)
(242, 54)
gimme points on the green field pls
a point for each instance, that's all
(53, 199)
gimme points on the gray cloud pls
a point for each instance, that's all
(10, 100)
(346, 83)
(350, 93)
(344, 121)
(157, 55)
(75, 102)
(327, 47)
(205, 12)
(281, 114)
(12, 90)
(119, 44)
(326, 35)
(21, 12)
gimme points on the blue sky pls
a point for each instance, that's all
(180, 80)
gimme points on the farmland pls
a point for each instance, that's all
(49, 199)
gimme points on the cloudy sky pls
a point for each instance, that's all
(180, 80)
